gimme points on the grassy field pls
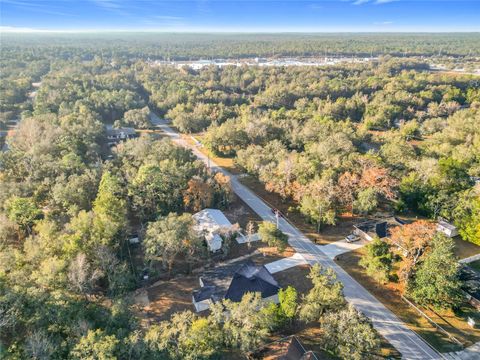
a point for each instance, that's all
(389, 295)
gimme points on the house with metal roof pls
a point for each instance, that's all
(232, 281)
(116, 135)
(213, 224)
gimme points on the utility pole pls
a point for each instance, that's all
(277, 216)
(320, 210)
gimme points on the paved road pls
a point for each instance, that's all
(341, 247)
(407, 342)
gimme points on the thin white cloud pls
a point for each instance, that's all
(36, 8)
(167, 17)
(383, 23)
(377, 2)
(15, 29)
(108, 4)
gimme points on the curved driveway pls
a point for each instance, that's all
(407, 342)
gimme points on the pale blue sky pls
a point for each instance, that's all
(241, 15)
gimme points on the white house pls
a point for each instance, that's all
(448, 229)
(211, 223)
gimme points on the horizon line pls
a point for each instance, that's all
(193, 32)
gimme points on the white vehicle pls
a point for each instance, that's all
(352, 238)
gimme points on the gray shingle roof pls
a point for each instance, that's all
(234, 280)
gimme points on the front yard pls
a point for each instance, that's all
(389, 294)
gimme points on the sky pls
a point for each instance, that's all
(240, 15)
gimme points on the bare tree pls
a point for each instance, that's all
(82, 275)
(250, 231)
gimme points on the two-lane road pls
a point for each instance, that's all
(408, 343)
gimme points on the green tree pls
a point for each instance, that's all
(366, 201)
(110, 209)
(273, 236)
(284, 312)
(288, 302)
(467, 216)
(437, 280)
(137, 118)
(244, 324)
(317, 202)
(157, 189)
(326, 294)
(349, 335)
(96, 345)
(169, 237)
(185, 336)
(110, 199)
(23, 212)
(377, 260)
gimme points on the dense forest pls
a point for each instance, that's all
(194, 46)
(352, 137)
(387, 135)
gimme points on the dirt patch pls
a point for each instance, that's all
(296, 277)
(168, 297)
(239, 212)
(270, 254)
(465, 249)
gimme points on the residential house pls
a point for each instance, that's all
(370, 229)
(116, 135)
(232, 281)
(213, 224)
(289, 348)
(471, 285)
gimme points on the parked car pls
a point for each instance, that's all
(352, 238)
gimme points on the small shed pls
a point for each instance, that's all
(448, 229)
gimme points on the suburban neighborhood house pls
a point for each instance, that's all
(212, 223)
(115, 135)
(289, 348)
(370, 229)
(232, 281)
